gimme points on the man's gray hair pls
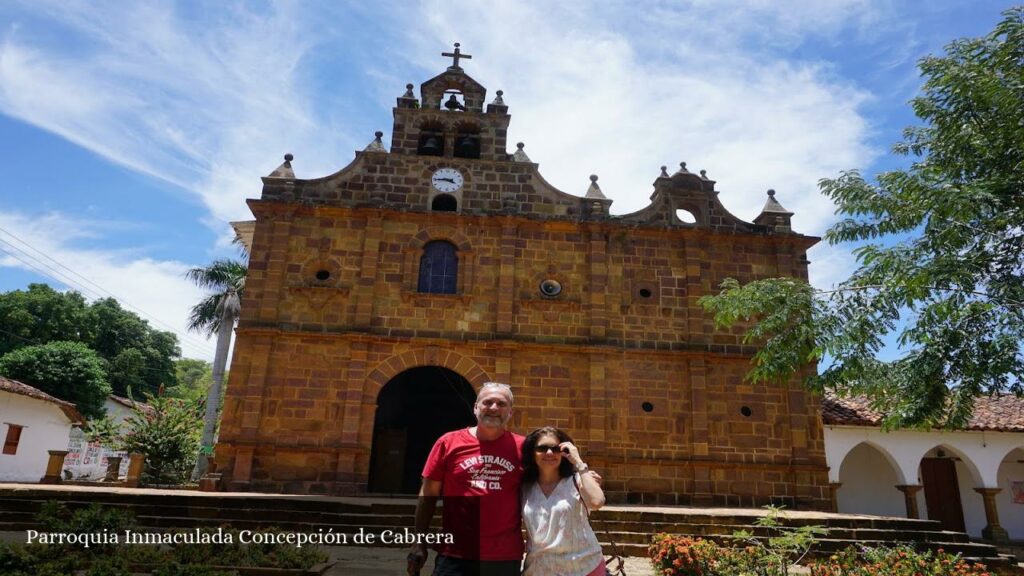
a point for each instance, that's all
(504, 388)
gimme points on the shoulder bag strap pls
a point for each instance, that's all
(614, 564)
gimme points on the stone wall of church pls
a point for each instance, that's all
(624, 358)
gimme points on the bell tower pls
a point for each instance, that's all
(450, 119)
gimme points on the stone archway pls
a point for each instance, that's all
(414, 409)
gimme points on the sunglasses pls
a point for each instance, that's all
(545, 448)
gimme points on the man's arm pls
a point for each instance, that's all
(426, 504)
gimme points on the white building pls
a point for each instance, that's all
(31, 423)
(971, 480)
(88, 460)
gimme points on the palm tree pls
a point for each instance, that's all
(216, 314)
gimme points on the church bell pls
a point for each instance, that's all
(467, 147)
(431, 145)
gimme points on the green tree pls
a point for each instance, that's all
(67, 370)
(216, 314)
(194, 380)
(939, 247)
(41, 314)
(136, 355)
(139, 357)
(168, 435)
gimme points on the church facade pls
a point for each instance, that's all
(380, 297)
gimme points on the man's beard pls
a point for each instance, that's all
(490, 421)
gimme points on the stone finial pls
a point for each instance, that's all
(377, 145)
(774, 215)
(704, 174)
(520, 155)
(682, 168)
(664, 172)
(594, 191)
(498, 101)
(285, 169)
(408, 100)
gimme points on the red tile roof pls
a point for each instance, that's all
(1001, 413)
(22, 389)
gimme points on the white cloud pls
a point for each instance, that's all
(156, 290)
(210, 101)
(208, 104)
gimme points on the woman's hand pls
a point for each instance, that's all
(571, 452)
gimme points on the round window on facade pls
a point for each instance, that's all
(550, 288)
(746, 411)
(647, 407)
(322, 275)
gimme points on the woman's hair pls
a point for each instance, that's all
(530, 469)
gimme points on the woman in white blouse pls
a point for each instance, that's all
(558, 491)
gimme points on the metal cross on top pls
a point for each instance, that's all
(455, 56)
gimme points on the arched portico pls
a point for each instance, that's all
(1009, 500)
(868, 477)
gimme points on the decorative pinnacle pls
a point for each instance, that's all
(594, 192)
(288, 157)
(378, 134)
(664, 172)
(520, 154)
(704, 174)
(408, 92)
(771, 193)
(682, 166)
(498, 101)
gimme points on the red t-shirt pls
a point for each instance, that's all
(480, 488)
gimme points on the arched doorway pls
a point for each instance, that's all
(413, 410)
(949, 477)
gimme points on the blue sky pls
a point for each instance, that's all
(132, 132)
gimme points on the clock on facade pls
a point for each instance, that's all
(446, 179)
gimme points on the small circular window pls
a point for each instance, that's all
(550, 288)
(645, 293)
(322, 275)
(746, 411)
(647, 407)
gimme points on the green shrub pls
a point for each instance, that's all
(898, 561)
(95, 518)
(168, 435)
(766, 556)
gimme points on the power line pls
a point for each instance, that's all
(103, 291)
(53, 274)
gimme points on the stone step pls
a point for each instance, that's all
(198, 499)
(833, 521)
(631, 526)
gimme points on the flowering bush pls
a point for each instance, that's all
(683, 555)
(899, 561)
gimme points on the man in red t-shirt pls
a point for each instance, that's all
(477, 471)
